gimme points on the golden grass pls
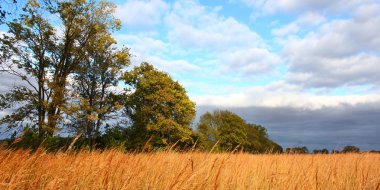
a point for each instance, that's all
(113, 169)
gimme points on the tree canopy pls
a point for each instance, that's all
(158, 106)
(228, 131)
(46, 56)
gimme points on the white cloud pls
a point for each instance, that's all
(281, 95)
(304, 21)
(146, 48)
(340, 52)
(286, 30)
(251, 61)
(142, 43)
(229, 43)
(194, 26)
(173, 66)
(274, 6)
(310, 18)
(359, 69)
(145, 13)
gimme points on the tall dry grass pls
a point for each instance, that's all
(114, 169)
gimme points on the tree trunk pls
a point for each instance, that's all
(74, 141)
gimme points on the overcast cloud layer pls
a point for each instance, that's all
(308, 70)
(328, 127)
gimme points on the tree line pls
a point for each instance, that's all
(345, 149)
(79, 90)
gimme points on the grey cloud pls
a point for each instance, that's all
(329, 127)
(8, 81)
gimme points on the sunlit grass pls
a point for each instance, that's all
(113, 169)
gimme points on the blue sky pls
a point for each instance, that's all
(313, 63)
(308, 70)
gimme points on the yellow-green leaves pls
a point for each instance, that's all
(158, 106)
(33, 3)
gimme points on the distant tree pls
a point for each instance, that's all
(351, 149)
(320, 151)
(297, 150)
(230, 131)
(335, 152)
(224, 127)
(208, 133)
(158, 107)
(259, 141)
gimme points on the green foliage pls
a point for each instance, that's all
(27, 140)
(297, 150)
(45, 58)
(321, 151)
(159, 108)
(113, 137)
(94, 100)
(228, 131)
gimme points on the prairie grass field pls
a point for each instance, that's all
(114, 169)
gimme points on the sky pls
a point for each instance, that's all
(307, 70)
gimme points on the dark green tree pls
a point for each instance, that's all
(297, 150)
(321, 151)
(259, 141)
(350, 149)
(208, 133)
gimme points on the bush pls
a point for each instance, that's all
(351, 149)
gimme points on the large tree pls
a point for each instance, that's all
(158, 107)
(97, 98)
(44, 47)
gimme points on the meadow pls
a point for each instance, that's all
(114, 169)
